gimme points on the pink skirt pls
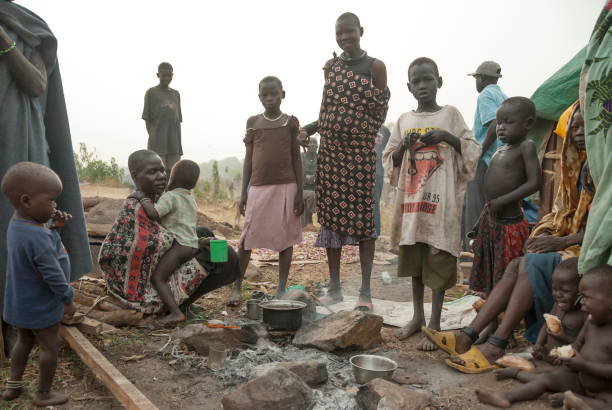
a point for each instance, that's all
(270, 221)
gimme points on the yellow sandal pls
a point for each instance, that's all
(444, 340)
(475, 362)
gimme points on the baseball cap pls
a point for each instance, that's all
(488, 68)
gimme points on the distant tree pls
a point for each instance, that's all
(92, 169)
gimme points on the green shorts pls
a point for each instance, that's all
(437, 269)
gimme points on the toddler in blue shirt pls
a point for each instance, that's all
(37, 293)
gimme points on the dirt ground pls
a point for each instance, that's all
(173, 383)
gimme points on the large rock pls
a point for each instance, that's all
(278, 389)
(341, 331)
(198, 337)
(379, 394)
(311, 372)
(101, 210)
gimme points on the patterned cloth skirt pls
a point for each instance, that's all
(270, 222)
(495, 246)
(330, 239)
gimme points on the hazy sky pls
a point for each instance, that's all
(109, 52)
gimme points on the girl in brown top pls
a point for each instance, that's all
(271, 185)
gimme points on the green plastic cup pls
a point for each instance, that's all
(218, 250)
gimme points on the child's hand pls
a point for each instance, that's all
(69, 310)
(576, 363)
(59, 219)
(137, 195)
(204, 243)
(243, 204)
(539, 352)
(434, 137)
(298, 204)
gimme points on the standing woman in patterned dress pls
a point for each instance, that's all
(354, 106)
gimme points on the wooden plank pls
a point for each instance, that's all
(90, 326)
(125, 392)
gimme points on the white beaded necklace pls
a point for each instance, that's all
(272, 119)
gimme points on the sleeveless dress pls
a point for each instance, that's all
(270, 222)
(352, 112)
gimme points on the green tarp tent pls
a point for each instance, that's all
(556, 94)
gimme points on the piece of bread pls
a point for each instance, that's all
(516, 362)
(566, 351)
(478, 304)
(553, 323)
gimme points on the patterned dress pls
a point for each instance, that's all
(129, 255)
(352, 112)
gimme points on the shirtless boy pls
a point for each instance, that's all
(565, 282)
(589, 373)
(513, 174)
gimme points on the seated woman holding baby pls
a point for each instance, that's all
(132, 250)
(525, 290)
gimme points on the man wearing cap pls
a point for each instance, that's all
(489, 99)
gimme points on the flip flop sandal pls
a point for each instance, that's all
(364, 306)
(444, 340)
(475, 362)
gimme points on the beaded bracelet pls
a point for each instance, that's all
(10, 48)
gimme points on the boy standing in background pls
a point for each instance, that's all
(163, 117)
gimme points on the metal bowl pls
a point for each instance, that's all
(283, 314)
(368, 366)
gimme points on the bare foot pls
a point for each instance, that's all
(172, 318)
(572, 402)
(463, 343)
(331, 298)
(44, 399)
(507, 373)
(234, 299)
(493, 398)
(411, 328)
(426, 346)
(12, 394)
(556, 400)
(492, 353)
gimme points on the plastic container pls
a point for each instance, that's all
(218, 250)
(386, 278)
(217, 354)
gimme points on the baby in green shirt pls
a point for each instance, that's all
(177, 211)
